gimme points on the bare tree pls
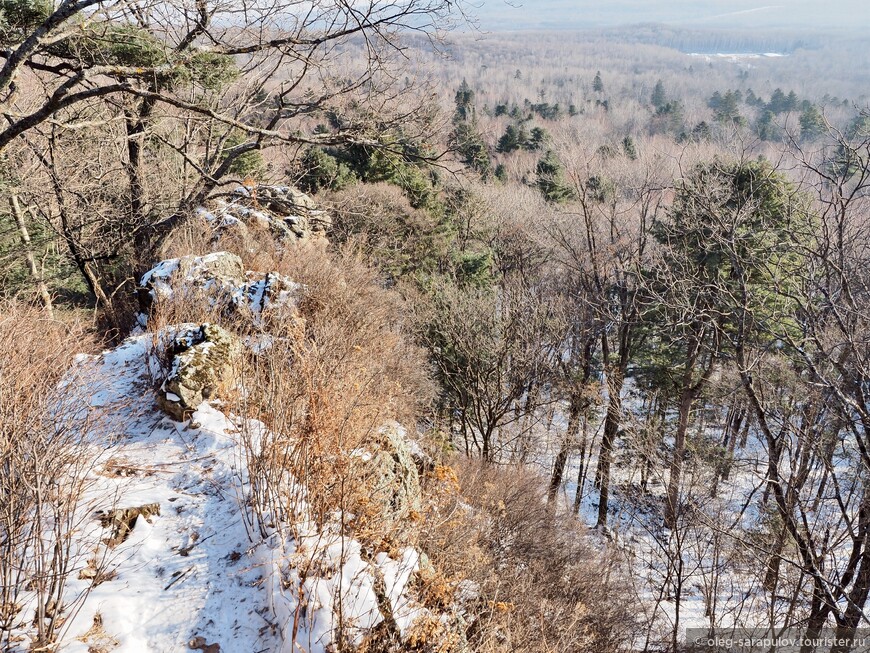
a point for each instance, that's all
(209, 83)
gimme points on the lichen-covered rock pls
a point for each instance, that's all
(201, 360)
(221, 279)
(390, 475)
(217, 275)
(286, 212)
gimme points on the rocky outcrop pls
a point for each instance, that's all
(390, 472)
(217, 275)
(220, 277)
(286, 212)
(201, 361)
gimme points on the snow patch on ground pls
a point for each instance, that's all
(199, 569)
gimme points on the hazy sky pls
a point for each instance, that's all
(536, 14)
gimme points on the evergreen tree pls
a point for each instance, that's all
(537, 140)
(322, 170)
(658, 98)
(668, 118)
(779, 102)
(551, 179)
(464, 100)
(470, 145)
(629, 148)
(728, 269)
(466, 138)
(514, 138)
(727, 108)
(812, 123)
(765, 126)
(597, 84)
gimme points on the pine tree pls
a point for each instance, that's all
(464, 100)
(812, 123)
(658, 98)
(514, 138)
(597, 84)
(470, 145)
(551, 179)
(537, 139)
(629, 148)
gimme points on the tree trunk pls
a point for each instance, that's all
(82, 263)
(581, 471)
(611, 427)
(574, 414)
(34, 270)
(135, 122)
(687, 396)
(861, 588)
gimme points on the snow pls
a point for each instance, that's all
(716, 564)
(259, 294)
(199, 569)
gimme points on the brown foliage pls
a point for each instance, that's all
(42, 465)
(541, 587)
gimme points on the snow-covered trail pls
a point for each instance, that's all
(191, 572)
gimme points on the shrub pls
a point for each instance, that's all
(539, 584)
(44, 465)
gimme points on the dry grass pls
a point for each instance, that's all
(43, 465)
(340, 366)
(541, 586)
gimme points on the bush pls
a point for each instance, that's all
(44, 464)
(536, 582)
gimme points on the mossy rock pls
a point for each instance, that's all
(201, 361)
(389, 472)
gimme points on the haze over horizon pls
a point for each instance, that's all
(849, 15)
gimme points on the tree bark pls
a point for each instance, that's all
(687, 396)
(34, 270)
(574, 414)
(611, 427)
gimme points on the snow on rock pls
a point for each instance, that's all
(285, 212)
(221, 278)
(202, 357)
(216, 274)
(192, 571)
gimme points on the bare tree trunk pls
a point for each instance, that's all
(858, 595)
(686, 399)
(135, 122)
(736, 425)
(35, 272)
(574, 414)
(581, 471)
(611, 427)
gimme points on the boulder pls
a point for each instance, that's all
(201, 360)
(391, 478)
(286, 212)
(221, 278)
(217, 275)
